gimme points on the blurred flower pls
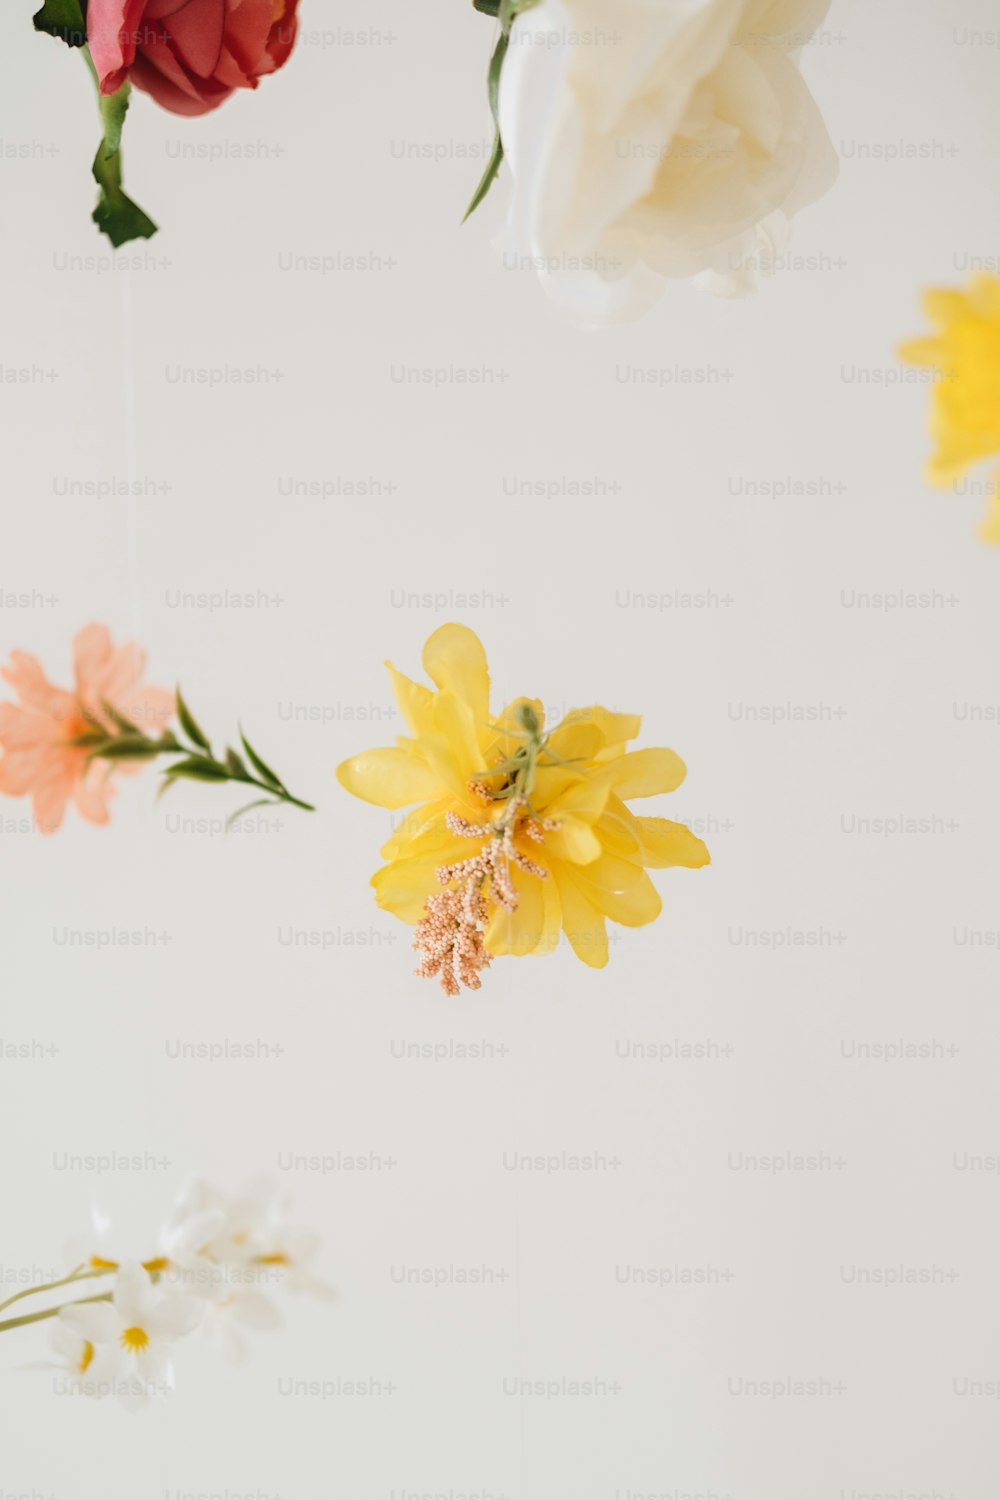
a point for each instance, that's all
(216, 1254)
(132, 1336)
(651, 140)
(189, 54)
(75, 1354)
(965, 412)
(39, 734)
(525, 829)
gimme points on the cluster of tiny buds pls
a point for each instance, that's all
(498, 853)
(450, 936)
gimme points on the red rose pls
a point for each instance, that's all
(189, 54)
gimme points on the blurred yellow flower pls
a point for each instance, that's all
(519, 833)
(965, 350)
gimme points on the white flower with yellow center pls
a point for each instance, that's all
(132, 1336)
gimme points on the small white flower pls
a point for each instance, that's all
(132, 1337)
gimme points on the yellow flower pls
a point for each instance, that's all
(965, 351)
(519, 833)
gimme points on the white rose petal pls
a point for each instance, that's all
(656, 139)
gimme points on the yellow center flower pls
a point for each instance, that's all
(965, 351)
(520, 833)
(134, 1340)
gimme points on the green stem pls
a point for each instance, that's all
(116, 215)
(50, 1312)
(126, 741)
(272, 791)
(50, 1286)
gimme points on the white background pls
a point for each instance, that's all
(552, 584)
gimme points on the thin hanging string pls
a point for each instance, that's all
(131, 517)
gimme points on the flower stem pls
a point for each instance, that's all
(50, 1312)
(114, 737)
(116, 215)
(80, 1274)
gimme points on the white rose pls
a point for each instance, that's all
(657, 138)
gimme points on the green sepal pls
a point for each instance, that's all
(65, 19)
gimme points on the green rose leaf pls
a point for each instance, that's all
(65, 19)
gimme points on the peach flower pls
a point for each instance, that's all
(36, 733)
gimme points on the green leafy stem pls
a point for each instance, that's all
(116, 215)
(125, 740)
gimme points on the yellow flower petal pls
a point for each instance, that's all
(666, 845)
(578, 740)
(582, 923)
(632, 902)
(646, 773)
(519, 931)
(551, 782)
(586, 798)
(455, 660)
(389, 778)
(453, 719)
(614, 729)
(414, 700)
(618, 831)
(404, 886)
(930, 352)
(943, 305)
(422, 831)
(573, 840)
